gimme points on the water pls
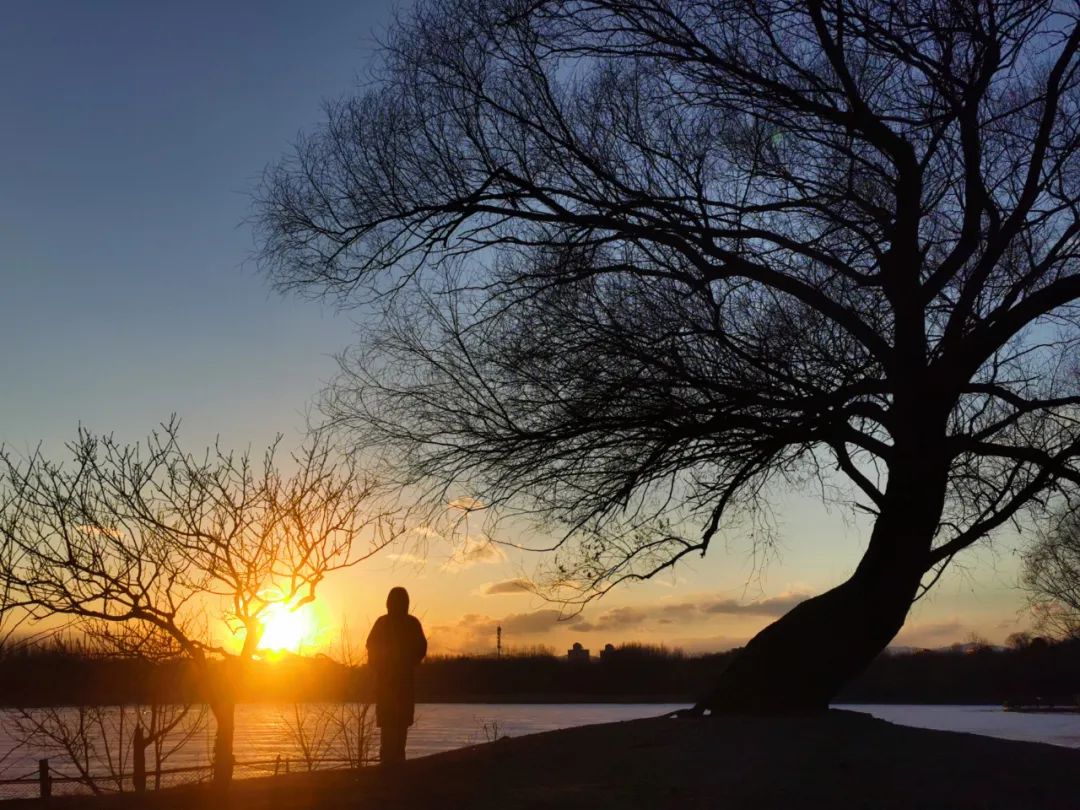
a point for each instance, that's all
(991, 721)
(266, 732)
(444, 726)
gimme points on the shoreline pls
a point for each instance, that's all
(832, 759)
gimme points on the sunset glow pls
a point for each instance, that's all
(288, 630)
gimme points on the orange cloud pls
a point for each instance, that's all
(474, 550)
(509, 586)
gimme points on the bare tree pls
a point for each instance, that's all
(160, 727)
(643, 264)
(1051, 576)
(102, 742)
(166, 729)
(311, 728)
(353, 724)
(92, 739)
(339, 730)
(157, 548)
(13, 615)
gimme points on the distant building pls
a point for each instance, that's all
(607, 652)
(577, 653)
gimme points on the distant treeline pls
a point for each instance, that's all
(1035, 669)
(58, 674)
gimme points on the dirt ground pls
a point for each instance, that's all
(834, 760)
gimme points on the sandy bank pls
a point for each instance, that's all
(838, 760)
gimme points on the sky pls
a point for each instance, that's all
(132, 136)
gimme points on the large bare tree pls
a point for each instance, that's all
(159, 552)
(646, 262)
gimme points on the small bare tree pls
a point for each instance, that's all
(165, 544)
(354, 723)
(104, 743)
(341, 731)
(347, 726)
(168, 728)
(161, 727)
(1051, 576)
(89, 738)
(311, 729)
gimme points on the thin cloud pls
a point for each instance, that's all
(475, 551)
(680, 612)
(617, 619)
(937, 634)
(425, 533)
(691, 612)
(538, 621)
(475, 631)
(508, 586)
(775, 606)
(406, 557)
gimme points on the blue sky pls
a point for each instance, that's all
(131, 137)
(132, 133)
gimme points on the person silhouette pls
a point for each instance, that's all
(395, 646)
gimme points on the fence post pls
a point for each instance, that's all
(277, 764)
(139, 757)
(43, 779)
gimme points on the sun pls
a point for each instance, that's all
(285, 629)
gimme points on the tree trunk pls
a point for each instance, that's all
(138, 745)
(802, 660)
(224, 717)
(223, 705)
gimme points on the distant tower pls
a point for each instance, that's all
(498, 642)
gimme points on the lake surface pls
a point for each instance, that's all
(440, 726)
(266, 732)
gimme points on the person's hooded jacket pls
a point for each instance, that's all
(395, 646)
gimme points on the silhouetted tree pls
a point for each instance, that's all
(103, 742)
(1051, 576)
(645, 263)
(1019, 640)
(7, 617)
(155, 551)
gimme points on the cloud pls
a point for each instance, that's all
(616, 619)
(425, 533)
(508, 586)
(466, 504)
(406, 557)
(689, 612)
(678, 613)
(475, 550)
(538, 621)
(933, 635)
(531, 623)
(775, 606)
(473, 631)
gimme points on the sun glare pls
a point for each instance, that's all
(287, 630)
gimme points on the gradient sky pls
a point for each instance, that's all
(132, 134)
